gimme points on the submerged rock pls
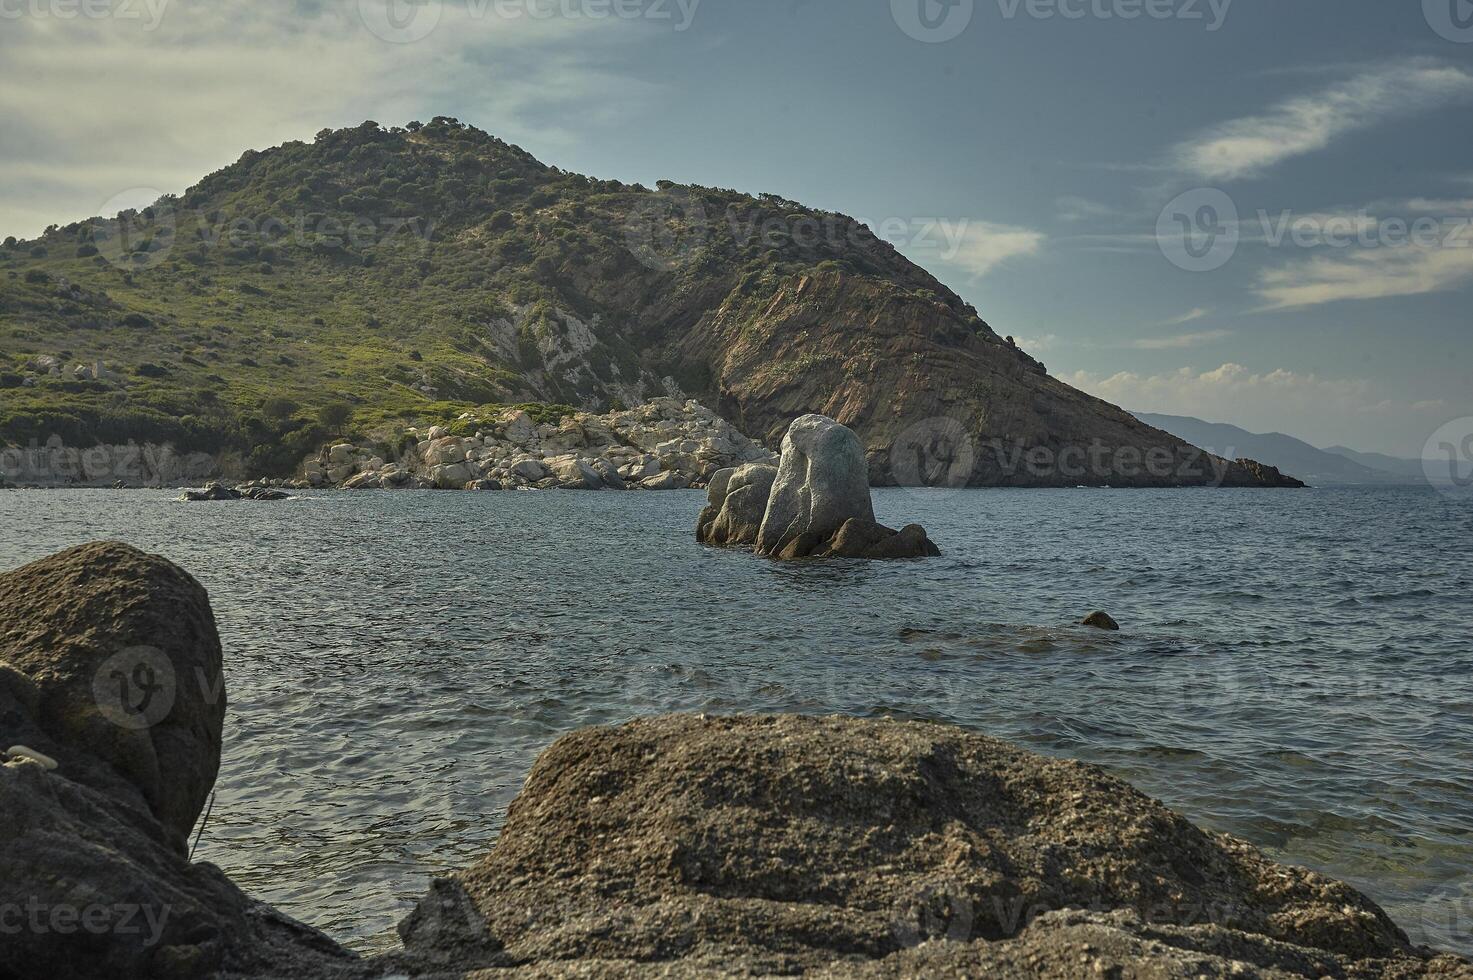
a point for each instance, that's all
(687, 846)
(213, 491)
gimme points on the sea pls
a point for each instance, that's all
(1293, 667)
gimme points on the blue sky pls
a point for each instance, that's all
(1072, 170)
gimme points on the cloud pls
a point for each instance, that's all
(1038, 345)
(1248, 146)
(1188, 317)
(1181, 341)
(1366, 274)
(110, 105)
(1071, 209)
(986, 245)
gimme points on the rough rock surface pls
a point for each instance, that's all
(814, 504)
(685, 846)
(665, 444)
(736, 502)
(96, 882)
(821, 482)
(115, 655)
(1101, 621)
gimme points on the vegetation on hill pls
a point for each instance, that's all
(381, 276)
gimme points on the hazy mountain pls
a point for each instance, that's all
(409, 274)
(1335, 466)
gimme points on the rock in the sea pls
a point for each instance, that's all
(822, 481)
(814, 504)
(1100, 621)
(110, 669)
(736, 501)
(213, 491)
(843, 847)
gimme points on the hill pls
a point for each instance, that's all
(381, 277)
(1324, 467)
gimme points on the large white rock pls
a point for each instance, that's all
(520, 429)
(736, 503)
(822, 481)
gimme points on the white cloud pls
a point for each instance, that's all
(1309, 123)
(986, 245)
(1038, 345)
(108, 105)
(1190, 316)
(1070, 208)
(1366, 274)
(1181, 341)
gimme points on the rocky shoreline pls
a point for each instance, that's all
(682, 846)
(664, 444)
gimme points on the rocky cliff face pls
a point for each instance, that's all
(407, 272)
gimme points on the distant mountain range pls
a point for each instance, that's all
(1335, 466)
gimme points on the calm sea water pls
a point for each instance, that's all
(1295, 667)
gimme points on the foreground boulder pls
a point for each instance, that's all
(113, 663)
(110, 677)
(686, 846)
(814, 504)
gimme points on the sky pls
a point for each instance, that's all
(1249, 211)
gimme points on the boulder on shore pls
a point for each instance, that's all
(814, 504)
(116, 655)
(110, 669)
(693, 846)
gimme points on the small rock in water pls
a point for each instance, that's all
(1100, 621)
(19, 752)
